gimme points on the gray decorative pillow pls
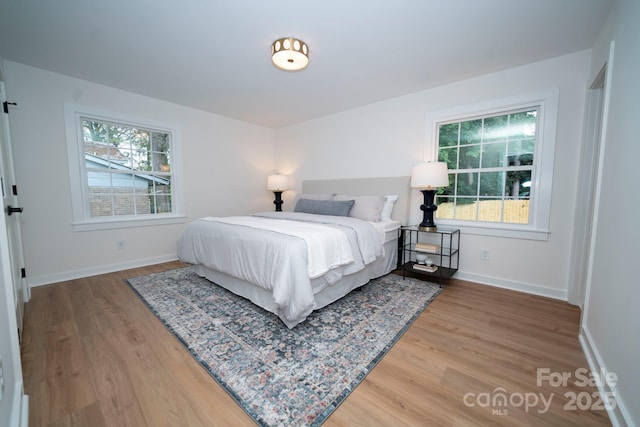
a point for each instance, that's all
(312, 197)
(324, 207)
(366, 208)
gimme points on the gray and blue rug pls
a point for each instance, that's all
(281, 376)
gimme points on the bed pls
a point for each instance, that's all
(293, 262)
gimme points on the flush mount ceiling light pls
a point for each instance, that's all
(290, 54)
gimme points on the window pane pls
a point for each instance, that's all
(141, 161)
(98, 179)
(449, 156)
(522, 124)
(517, 184)
(119, 136)
(94, 131)
(451, 188)
(496, 128)
(99, 192)
(123, 202)
(140, 139)
(160, 162)
(490, 210)
(469, 157)
(100, 203)
(162, 203)
(516, 211)
(448, 135)
(445, 207)
(120, 157)
(160, 195)
(123, 190)
(471, 132)
(466, 209)
(521, 152)
(104, 151)
(493, 155)
(467, 184)
(160, 142)
(491, 184)
(160, 152)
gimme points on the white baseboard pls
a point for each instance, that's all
(24, 416)
(19, 415)
(93, 271)
(528, 288)
(619, 416)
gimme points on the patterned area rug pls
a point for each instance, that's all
(281, 376)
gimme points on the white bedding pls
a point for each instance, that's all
(276, 261)
(327, 248)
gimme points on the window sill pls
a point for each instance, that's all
(128, 222)
(505, 231)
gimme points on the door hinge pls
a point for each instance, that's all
(23, 272)
(14, 189)
(5, 106)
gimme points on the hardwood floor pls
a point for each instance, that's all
(94, 355)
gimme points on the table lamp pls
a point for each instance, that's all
(277, 183)
(429, 177)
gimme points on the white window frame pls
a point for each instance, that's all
(82, 220)
(542, 174)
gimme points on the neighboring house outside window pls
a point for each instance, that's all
(123, 170)
(123, 193)
(500, 160)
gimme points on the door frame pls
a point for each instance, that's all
(587, 180)
(15, 411)
(22, 292)
(589, 184)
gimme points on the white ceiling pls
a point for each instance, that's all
(214, 55)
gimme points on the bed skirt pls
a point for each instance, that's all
(323, 294)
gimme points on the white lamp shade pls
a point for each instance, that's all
(430, 175)
(277, 182)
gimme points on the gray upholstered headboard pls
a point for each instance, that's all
(367, 187)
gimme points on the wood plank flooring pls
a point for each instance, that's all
(93, 355)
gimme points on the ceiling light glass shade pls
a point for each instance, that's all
(277, 182)
(290, 54)
(430, 175)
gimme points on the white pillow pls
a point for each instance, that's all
(388, 207)
(366, 208)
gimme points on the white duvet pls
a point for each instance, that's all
(327, 247)
(268, 251)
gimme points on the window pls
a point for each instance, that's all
(123, 171)
(499, 174)
(490, 161)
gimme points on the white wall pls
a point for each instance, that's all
(611, 315)
(388, 139)
(226, 163)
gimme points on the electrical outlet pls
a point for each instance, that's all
(122, 245)
(485, 254)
